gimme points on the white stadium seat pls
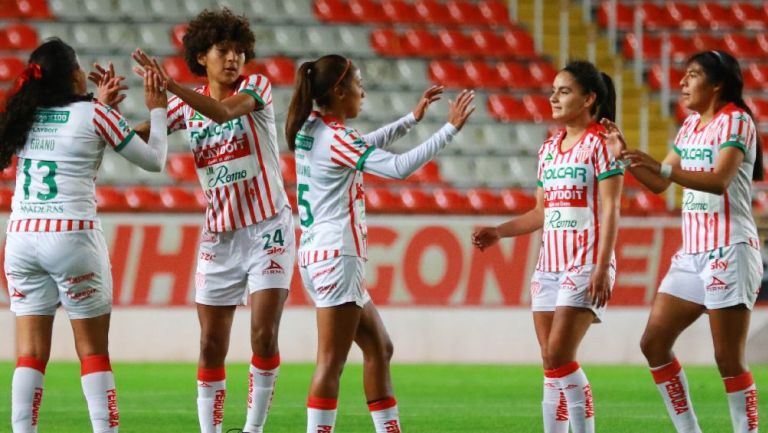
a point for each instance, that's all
(67, 9)
(59, 30)
(102, 10)
(270, 11)
(134, 10)
(493, 171)
(317, 39)
(289, 40)
(168, 10)
(122, 36)
(354, 40)
(525, 170)
(530, 136)
(89, 37)
(156, 36)
(459, 170)
(412, 73)
(299, 11)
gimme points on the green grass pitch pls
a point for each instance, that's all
(432, 399)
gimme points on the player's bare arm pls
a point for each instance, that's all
(610, 198)
(528, 222)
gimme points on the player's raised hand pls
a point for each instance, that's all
(154, 90)
(109, 85)
(461, 108)
(485, 237)
(638, 158)
(600, 288)
(430, 95)
(613, 138)
(150, 63)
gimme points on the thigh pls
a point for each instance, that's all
(215, 321)
(33, 336)
(372, 335)
(271, 253)
(31, 289)
(669, 317)
(732, 275)
(221, 276)
(569, 325)
(542, 323)
(336, 329)
(267, 308)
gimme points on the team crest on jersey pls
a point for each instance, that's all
(549, 157)
(716, 284)
(196, 117)
(583, 152)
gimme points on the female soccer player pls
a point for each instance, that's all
(55, 253)
(577, 205)
(330, 160)
(248, 243)
(718, 270)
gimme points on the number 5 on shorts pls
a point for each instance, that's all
(309, 219)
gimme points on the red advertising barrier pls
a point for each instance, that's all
(414, 261)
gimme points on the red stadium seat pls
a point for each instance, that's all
(18, 37)
(655, 77)
(400, 11)
(109, 199)
(382, 200)
(756, 76)
(516, 76)
(254, 67)
(649, 203)
(517, 201)
(762, 41)
(421, 42)
(544, 73)
(433, 12)
(429, 173)
(457, 43)
(655, 16)
(490, 44)
(386, 42)
(759, 108)
(520, 43)
(651, 46)
(416, 200)
(176, 199)
(495, 12)
(719, 16)
(624, 15)
(681, 47)
(33, 9)
(181, 167)
(6, 197)
(451, 201)
(706, 42)
(538, 106)
(10, 172)
(486, 201)
(280, 71)
(483, 75)
(9, 9)
(750, 15)
(177, 35)
(143, 199)
(466, 12)
(178, 70)
(202, 200)
(333, 11)
(448, 74)
(10, 68)
(288, 168)
(685, 15)
(367, 11)
(742, 46)
(3, 98)
(507, 108)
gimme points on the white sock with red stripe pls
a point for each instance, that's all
(262, 376)
(578, 395)
(673, 386)
(554, 407)
(386, 418)
(211, 393)
(321, 414)
(26, 394)
(742, 400)
(99, 389)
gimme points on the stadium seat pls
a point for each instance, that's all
(177, 199)
(507, 108)
(134, 10)
(483, 75)
(743, 46)
(520, 43)
(457, 43)
(651, 46)
(517, 201)
(18, 37)
(354, 40)
(524, 171)
(624, 15)
(466, 13)
(413, 72)
(448, 74)
(686, 15)
(655, 77)
(288, 168)
(90, 37)
(486, 201)
(71, 10)
(31, 9)
(544, 73)
(490, 43)
(120, 36)
(100, 10)
(181, 167)
(516, 76)
(656, 16)
(707, 41)
(416, 200)
(756, 76)
(759, 108)
(451, 201)
(422, 42)
(529, 137)
(386, 42)
(168, 10)
(299, 11)
(429, 173)
(495, 12)
(649, 203)
(6, 198)
(10, 68)
(280, 70)
(400, 11)
(382, 200)
(457, 170)
(493, 171)
(177, 35)
(538, 106)
(178, 70)
(109, 199)
(367, 11)
(750, 15)
(333, 11)
(157, 37)
(143, 199)
(291, 40)
(718, 16)
(433, 12)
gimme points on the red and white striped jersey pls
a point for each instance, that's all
(571, 203)
(56, 171)
(711, 221)
(237, 162)
(331, 198)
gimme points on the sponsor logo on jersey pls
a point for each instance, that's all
(81, 295)
(218, 406)
(717, 284)
(304, 142)
(555, 222)
(569, 197)
(691, 205)
(17, 294)
(696, 154)
(222, 152)
(51, 116)
(196, 117)
(41, 208)
(222, 176)
(565, 172)
(677, 397)
(274, 268)
(209, 237)
(583, 152)
(80, 278)
(562, 408)
(568, 284)
(303, 170)
(215, 129)
(718, 265)
(48, 144)
(114, 415)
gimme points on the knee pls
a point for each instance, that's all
(330, 366)
(554, 356)
(264, 340)
(655, 349)
(212, 346)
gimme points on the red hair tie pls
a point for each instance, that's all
(32, 72)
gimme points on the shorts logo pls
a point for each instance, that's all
(274, 268)
(324, 271)
(17, 294)
(717, 284)
(568, 284)
(79, 296)
(276, 250)
(322, 290)
(535, 288)
(207, 257)
(199, 280)
(209, 237)
(80, 278)
(718, 264)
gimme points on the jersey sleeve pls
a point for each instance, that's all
(738, 132)
(111, 126)
(606, 165)
(176, 119)
(259, 87)
(349, 149)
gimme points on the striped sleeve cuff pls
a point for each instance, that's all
(125, 141)
(677, 150)
(609, 173)
(735, 144)
(361, 162)
(255, 96)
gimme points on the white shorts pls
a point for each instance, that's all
(232, 265)
(336, 281)
(48, 269)
(570, 288)
(720, 278)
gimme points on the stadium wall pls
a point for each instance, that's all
(442, 300)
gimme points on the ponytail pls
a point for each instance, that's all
(758, 169)
(592, 80)
(607, 109)
(314, 84)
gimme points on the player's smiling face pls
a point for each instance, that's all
(568, 101)
(696, 92)
(223, 62)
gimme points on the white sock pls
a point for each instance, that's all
(211, 393)
(262, 376)
(578, 394)
(321, 414)
(386, 418)
(26, 394)
(673, 386)
(742, 400)
(554, 407)
(99, 389)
